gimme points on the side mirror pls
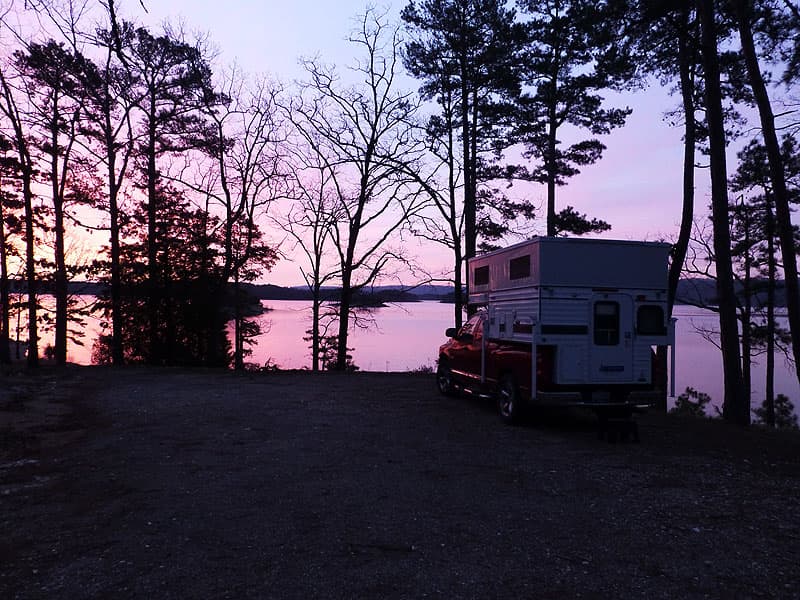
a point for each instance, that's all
(451, 332)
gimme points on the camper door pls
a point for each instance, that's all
(611, 355)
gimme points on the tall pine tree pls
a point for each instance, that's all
(572, 54)
(466, 52)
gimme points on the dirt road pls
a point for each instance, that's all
(143, 483)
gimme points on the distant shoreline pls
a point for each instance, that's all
(691, 292)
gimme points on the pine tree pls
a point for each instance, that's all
(466, 52)
(10, 227)
(55, 97)
(572, 53)
(173, 77)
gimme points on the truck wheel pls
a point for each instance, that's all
(509, 403)
(444, 380)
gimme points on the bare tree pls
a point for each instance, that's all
(359, 133)
(245, 174)
(309, 221)
(440, 177)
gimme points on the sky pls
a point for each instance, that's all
(636, 186)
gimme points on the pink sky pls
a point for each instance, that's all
(636, 186)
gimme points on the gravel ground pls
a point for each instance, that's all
(154, 483)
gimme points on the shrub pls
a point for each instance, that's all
(785, 418)
(691, 403)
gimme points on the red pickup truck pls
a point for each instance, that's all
(491, 368)
(501, 369)
(589, 314)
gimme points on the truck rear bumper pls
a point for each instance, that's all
(599, 399)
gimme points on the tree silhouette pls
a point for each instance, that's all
(173, 77)
(467, 54)
(756, 245)
(365, 134)
(188, 261)
(110, 90)
(55, 100)
(572, 53)
(746, 14)
(245, 174)
(309, 221)
(10, 227)
(736, 406)
(9, 107)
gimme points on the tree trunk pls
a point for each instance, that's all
(747, 312)
(772, 274)
(117, 354)
(736, 405)
(345, 303)
(315, 306)
(238, 333)
(458, 255)
(30, 269)
(458, 290)
(681, 246)
(687, 213)
(470, 210)
(5, 350)
(550, 161)
(153, 284)
(60, 263)
(777, 176)
(61, 292)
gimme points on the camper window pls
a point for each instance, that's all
(481, 276)
(606, 323)
(520, 267)
(650, 321)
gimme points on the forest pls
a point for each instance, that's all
(130, 157)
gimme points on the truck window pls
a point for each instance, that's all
(650, 320)
(606, 323)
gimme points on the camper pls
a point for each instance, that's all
(564, 321)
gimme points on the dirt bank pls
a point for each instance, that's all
(174, 484)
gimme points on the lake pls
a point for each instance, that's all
(407, 336)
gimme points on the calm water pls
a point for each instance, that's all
(407, 336)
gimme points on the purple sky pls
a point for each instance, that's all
(636, 186)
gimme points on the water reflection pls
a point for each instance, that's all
(408, 335)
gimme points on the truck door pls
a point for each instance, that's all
(465, 358)
(611, 345)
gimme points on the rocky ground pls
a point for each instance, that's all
(173, 484)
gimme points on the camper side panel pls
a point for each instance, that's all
(603, 264)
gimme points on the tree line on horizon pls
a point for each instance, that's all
(181, 165)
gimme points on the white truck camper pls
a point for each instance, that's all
(565, 321)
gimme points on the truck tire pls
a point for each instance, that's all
(509, 403)
(444, 380)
